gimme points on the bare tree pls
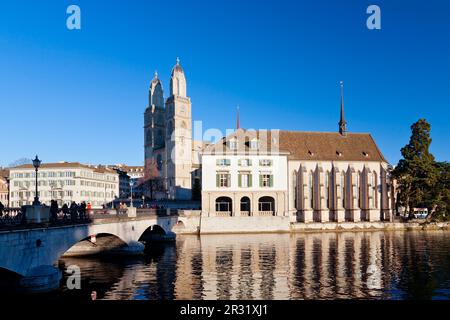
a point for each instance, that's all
(151, 180)
(20, 162)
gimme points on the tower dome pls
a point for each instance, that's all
(178, 81)
(156, 92)
(177, 68)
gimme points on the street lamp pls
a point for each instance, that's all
(36, 165)
(8, 185)
(131, 193)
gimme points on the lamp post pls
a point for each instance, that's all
(8, 185)
(131, 193)
(36, 165)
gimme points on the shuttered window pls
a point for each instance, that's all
(244, 180)
(266, 180)
(223, 180)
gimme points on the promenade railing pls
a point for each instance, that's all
(15, 218)
(11, 217)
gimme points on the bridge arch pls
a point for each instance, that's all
(101, 243)
(9, 281)
(153, 233)
(28, 251)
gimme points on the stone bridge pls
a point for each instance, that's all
(32, 252)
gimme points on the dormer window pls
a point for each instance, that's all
(254, 144)
(365, 154)
(265, 163)
(233, 144)
(310, 153)
(339, 154)
(223, 162)
(245, 162)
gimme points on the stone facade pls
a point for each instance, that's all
(169, 148)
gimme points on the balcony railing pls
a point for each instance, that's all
(223, 213)
(266, 213)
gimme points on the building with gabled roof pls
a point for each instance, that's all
(64, 182)
(307, 176)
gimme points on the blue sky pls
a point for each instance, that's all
(80, 95)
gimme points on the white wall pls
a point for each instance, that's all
(210, 168)
(78, 190)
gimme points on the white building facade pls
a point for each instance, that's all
(64, 182)
(308, 176)
(4, 192)
(241, 177)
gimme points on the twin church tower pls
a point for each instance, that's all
(168, 138)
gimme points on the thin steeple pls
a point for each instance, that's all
(342, 123)
(238, 124)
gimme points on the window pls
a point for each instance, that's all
(223, 162)
(233, 144)
(149, 137)
(266, 204)
(245, 162)
(224, 204)
(169, 129)
(327, 189)
(245, 205)
(373, 190)
(358, 190)
(159, 162)
(343, 189)
(311, 189)
(265, 163)
(254, 144)
(245, 180)
(223, 180)
(266, 180)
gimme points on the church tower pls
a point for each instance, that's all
(154, 121)
(342, 123)
(178, 137)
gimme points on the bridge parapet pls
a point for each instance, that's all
(189, 213)
(160, 212)
(11, 217)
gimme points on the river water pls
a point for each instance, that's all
(344, 265)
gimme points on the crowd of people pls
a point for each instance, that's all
(73, 212)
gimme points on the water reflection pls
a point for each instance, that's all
(353, 265)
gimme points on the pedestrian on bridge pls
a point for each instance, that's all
(73, 211)
(2, 207)
(83, 210)
(54, 210)
(65, 210)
